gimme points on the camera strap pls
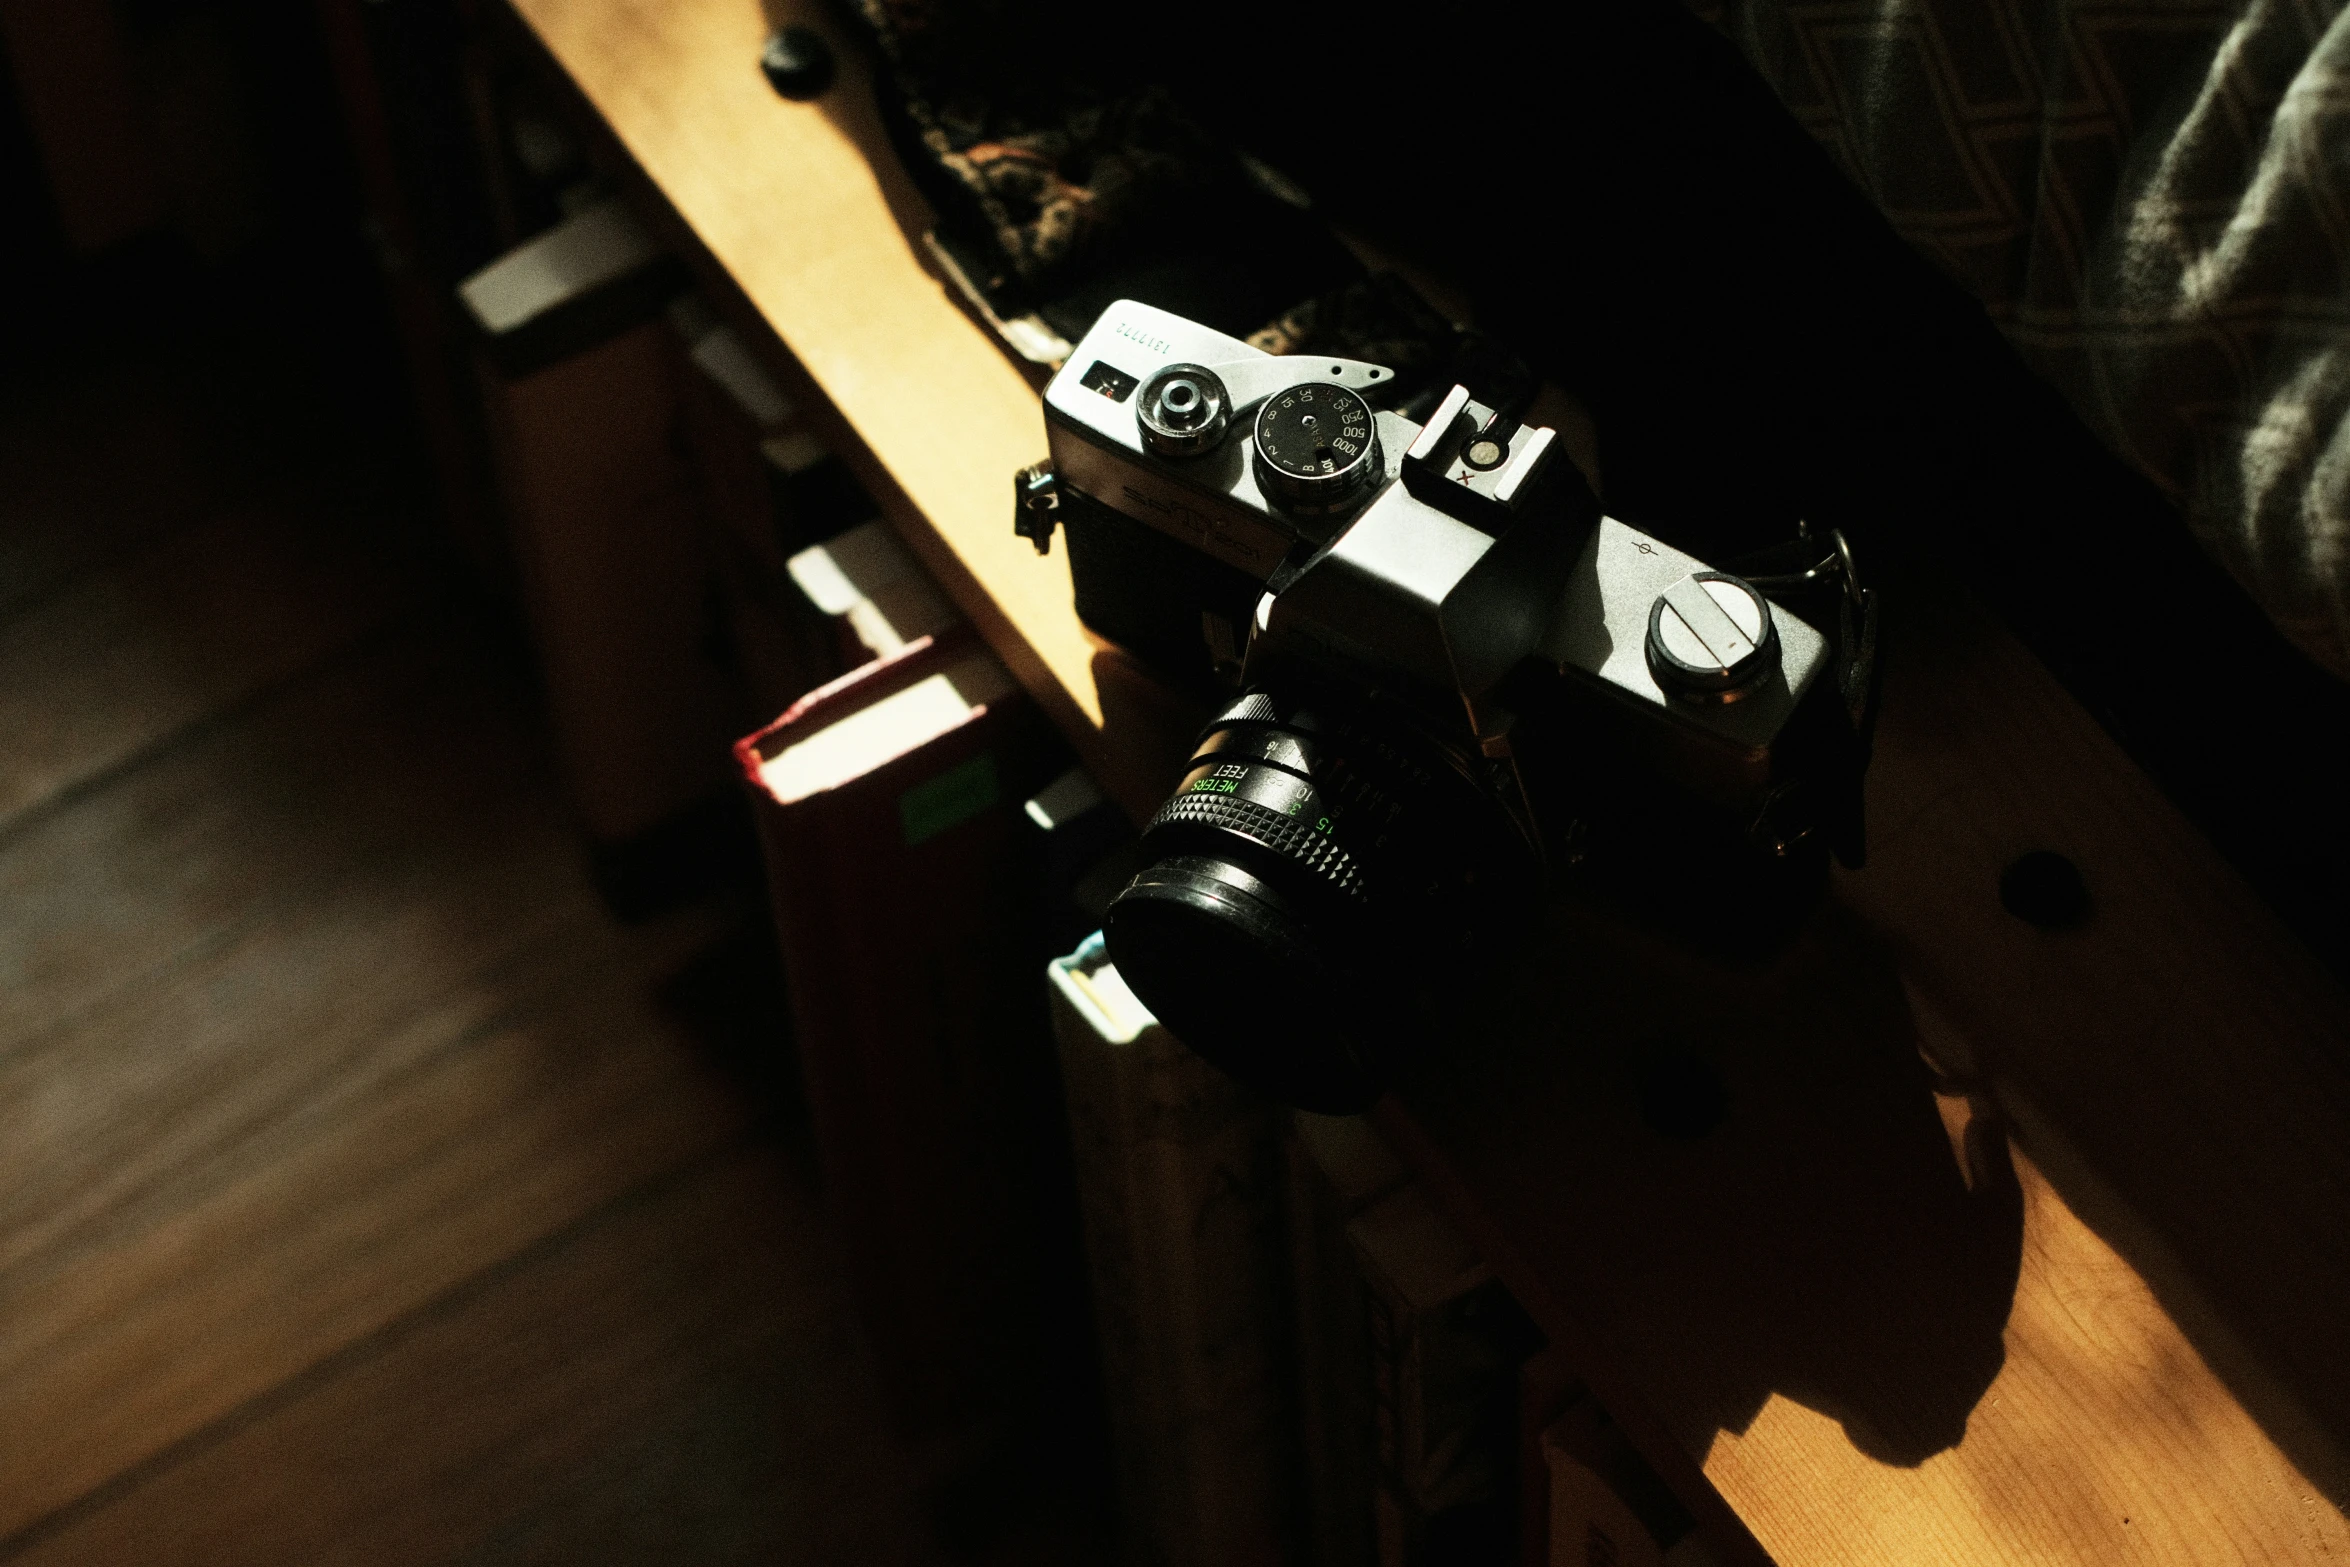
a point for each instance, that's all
(1819, 579)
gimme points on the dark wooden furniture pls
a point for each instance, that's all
(2017, 1245)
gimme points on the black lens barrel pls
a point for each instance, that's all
(1246, 978)
(1313, 868)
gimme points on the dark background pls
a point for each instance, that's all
(1626, 199)
(1616, 190)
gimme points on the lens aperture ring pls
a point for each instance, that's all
(1306, 844)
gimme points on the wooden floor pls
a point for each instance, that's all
(360, 1200)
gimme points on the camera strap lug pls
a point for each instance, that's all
(1036, 504)
(1805, 571)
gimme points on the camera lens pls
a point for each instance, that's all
(1318, 868)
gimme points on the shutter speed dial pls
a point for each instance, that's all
(1316, 450)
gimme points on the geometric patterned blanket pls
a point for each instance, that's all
(2152, 199)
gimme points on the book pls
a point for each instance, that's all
(1179, 1176)
(1548, 1386)
(1335, 1167)
(888, 809)
(582, 386)
(730, 364)
(742, 430)
(1089, 852)
(776, 494)
(1409, 1354)
(870, 587)
(1603, 1503)
(816, 496)
(595, 274)
(811, 495)
(1588, 1522)
(616, 584)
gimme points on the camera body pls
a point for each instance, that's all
(1448, 681)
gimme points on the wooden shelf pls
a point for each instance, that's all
(812, 221)
(2016, 1246)
(2077, 1292)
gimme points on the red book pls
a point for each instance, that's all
(888, 805)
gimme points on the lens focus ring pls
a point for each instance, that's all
(1296, 841)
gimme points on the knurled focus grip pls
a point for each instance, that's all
(1302, 845)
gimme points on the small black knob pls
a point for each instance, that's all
(798, 63)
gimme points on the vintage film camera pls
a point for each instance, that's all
(1446, 679)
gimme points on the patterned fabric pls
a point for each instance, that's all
(2152, 198)
(1067, 178)
(1381, 319)
(1057, 169)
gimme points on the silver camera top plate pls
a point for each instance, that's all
(1211, 501)
(1410, 588)
(1600, 633)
